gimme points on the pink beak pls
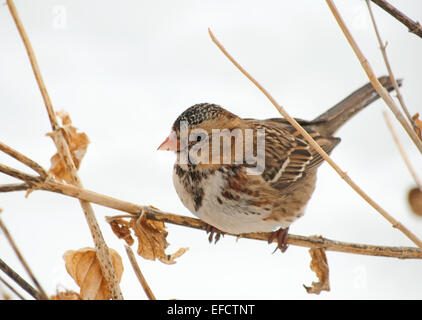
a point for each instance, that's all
(171, 143)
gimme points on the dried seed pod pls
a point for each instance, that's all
(84, 268)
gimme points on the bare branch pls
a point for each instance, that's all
(19, 174)
(396, 224)
(139, 274)
(414, 26)
(34, 63)
(25, 160)
(296, 240)
(387, 64)
(12, 289)
(22, 260)
(63, 149)
(402, 151)
(14, 187)
(19, 280)
(370, 73)
(158, 215)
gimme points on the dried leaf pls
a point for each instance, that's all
(152, 241)
(319, 265)
(85, 269)
(78, 144)
(415, 201)
(418, 123)
(170, 258)
(66, 295)
(121, 229)
(151, 236)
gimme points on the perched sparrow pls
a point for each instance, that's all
(256, 183)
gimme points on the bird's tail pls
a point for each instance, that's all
(335, 117)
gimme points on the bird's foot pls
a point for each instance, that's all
(214, 233)
(281, 236)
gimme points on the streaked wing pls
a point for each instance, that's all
(288, 156)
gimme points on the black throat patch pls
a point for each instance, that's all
(191, 180)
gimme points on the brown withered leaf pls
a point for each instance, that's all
(121, 229)
(418, 123)
(415, 201)
(152, 242)
(170, 258)
(151, 236)
(78, 145)
(84, 268)
(319, 265)
(66, 295)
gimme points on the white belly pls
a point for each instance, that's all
(226, 215)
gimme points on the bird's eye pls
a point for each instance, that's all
(200, 137)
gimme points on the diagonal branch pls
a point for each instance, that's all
(63, 149)
(19, 174)
(414, 26)
(387, 64)
(19, 280)
(11, 289)
(371, 75)
(24, 159)
(409, 166)
(22, 260)
(139, 274)
(396, 224)
(14, 187)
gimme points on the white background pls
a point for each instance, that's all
(125, 70)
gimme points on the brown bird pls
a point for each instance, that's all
(256, 183)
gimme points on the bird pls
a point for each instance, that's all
(237, 196)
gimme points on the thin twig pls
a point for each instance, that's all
(18, 174)
(139, 274)
(34, 63)
(396, 224)
(63, 149)
(389, 69)
(14, 187)
(21, 259)
(296, 240)
(25, 160)
(12, 289)
(414, 26)
(371, 75)
(19, 280)
(402, 151)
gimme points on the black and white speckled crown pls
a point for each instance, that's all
(198, 113)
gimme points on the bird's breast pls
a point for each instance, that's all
(209, 196)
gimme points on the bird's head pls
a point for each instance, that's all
(196, 124)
